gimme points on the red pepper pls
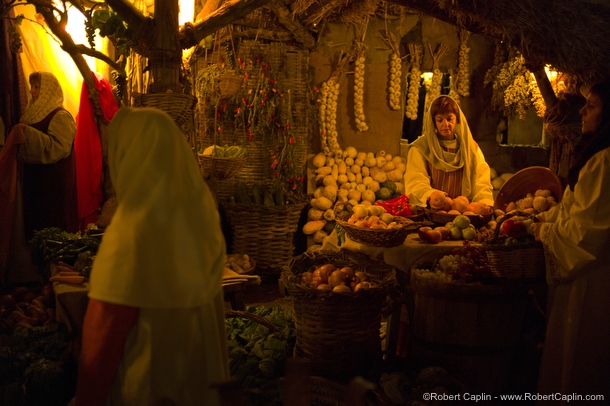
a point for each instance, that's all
(398, 206)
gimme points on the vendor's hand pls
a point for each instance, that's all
(536, 226)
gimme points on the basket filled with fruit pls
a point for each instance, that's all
(373, 225)
(525, 186)
(339, 298)
(513, 253)
(477, 319)
(222, 162)
(444, 209)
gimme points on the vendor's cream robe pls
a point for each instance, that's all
(163, 253)
(576, 357)
(456, 167)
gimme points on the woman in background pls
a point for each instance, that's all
(154, 331)
(446, 158)
(576, 236)
(39, 177)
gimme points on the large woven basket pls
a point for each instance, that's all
(338, 333)
(220, 168)
(379, 237)
(180, 107)
(266, 233)
(525, 181)
(315, 390)
(518, 261)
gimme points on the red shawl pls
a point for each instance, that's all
(88, 150)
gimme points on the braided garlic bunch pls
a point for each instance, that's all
(359, 93)
(415, 53)
(463, 78)
(437, 76)
(394, 84)
(329, 94)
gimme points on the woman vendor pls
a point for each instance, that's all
(39, 178)
(446, 160)
(575, 235)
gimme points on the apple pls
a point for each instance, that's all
(430, 235)
(444, 232)
(513, 228)
(422, 231)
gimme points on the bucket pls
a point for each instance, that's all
(472, 330)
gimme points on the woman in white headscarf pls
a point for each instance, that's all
(154, 330)
(39, 159)
(446, 158)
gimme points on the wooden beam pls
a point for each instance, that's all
(430, 8)
(231, 11)
(284, 15)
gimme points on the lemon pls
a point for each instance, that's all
(361, 211)
(387, 218)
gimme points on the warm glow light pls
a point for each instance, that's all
(427, 77)
(76, 29)
(552, 74)
(187, 11)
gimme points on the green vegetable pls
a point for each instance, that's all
(257, 355)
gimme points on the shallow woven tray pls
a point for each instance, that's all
(525, 181)
(221, 168)
(379, 237)
(477, 220)
(338, 332)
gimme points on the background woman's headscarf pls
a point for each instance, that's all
(164, 246)
(590, 144)
(466, 157)
(50, 97)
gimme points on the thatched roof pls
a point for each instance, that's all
(571, 35)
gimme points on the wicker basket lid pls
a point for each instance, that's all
(525, 181)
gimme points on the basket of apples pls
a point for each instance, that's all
(338, 300)
(513, 253)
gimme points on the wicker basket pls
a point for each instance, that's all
(518, 261)
(315, 390)
(379, 237)
(478, 220)
(220, 168)
(526, 181)
(180, 107)
(338, 333)
(266, 233)
(229, 83)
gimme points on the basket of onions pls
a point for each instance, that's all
(339, 298)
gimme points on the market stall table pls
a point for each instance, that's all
(403, 257)
(71, 300)
(71, 304)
